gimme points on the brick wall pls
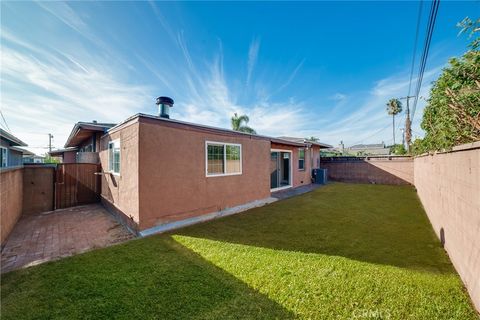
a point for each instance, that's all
(381, 170)
(11, 197)
(448, 185)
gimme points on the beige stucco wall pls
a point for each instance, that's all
(122, 190)
(173, 183)
(11, 197)
(448, 185)
(396, 171)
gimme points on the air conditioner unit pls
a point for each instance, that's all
(319, 176)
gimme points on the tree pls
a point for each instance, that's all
(239, 123)
(312, 139)
(452, 114)
(394, 107)
(50, 159)
(398, 149)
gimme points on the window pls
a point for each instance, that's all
(114, 156)
(3, 157)
(223, 159)
(301, 159)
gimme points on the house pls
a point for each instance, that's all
(376, 149)
(32, 158)
(160, 173)
(10, 153)
(83, 143)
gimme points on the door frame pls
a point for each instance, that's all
(290, 171)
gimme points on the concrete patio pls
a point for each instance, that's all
(56, 234)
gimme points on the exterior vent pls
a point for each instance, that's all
(164, 104)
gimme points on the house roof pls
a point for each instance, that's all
(303, 140)
(14, 141)
(23, 151)
(206, 128)
(368, 146)
(83, 130)
(59, 152)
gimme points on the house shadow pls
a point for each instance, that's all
(378, 224)
(155, 277)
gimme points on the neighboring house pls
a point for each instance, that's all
(377, 149)
(83, 143)
(30, 157)
(67, 155)
(159, 173)
(10, 153)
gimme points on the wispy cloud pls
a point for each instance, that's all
(369, 115)
(338, 97)
(48, 92)
(252, 58)
(290, 78)
(48, 88)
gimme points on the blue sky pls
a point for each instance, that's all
(323, 69)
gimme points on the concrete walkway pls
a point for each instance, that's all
(61, 233)
(292, 192)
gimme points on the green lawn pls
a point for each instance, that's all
(343, 251)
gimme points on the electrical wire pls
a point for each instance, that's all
(5, 121)
(373, 134)
(419, 18)
(428, 38)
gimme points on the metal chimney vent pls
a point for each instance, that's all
(164, 104)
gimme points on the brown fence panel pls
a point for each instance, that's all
(38, 192)
(76, 184)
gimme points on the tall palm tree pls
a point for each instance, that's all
(239, 123)
(394, 107)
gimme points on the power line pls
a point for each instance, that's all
(5, 121)
(373, 134)
(419, 18)
(428, 38)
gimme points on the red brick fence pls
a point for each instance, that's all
(38, 188)
(448, 185)
(382, 170)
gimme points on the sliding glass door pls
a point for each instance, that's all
(280, 169)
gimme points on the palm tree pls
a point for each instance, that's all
(394, 107)
(239, 123)
(312, 139)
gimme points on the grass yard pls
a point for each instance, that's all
(343, 251)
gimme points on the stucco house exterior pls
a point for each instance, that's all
(83, 143)
(10, 152)
(160, 173)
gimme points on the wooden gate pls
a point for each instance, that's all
(76, 184)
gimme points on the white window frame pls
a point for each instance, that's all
(110, 170)
(224, 144)
(6, 157)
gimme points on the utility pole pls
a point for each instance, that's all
(408, 123)
(403, 136)
(50, 137)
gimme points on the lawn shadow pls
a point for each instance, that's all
(372, 223)
(155, 277)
